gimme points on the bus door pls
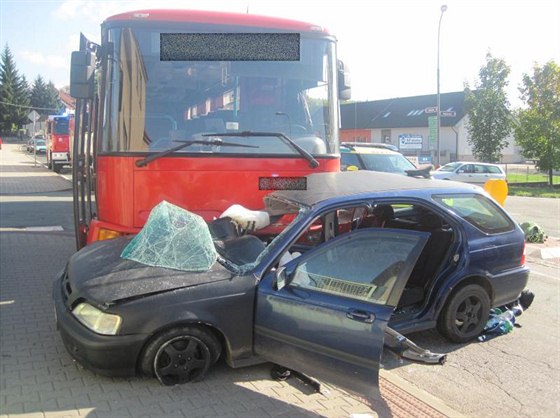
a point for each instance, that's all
(82, 148)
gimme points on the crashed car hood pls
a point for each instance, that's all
(98, 273)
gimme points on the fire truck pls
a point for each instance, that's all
(58, 145)
(201, 109)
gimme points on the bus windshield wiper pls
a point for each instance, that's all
(184, 144)
(313, 163)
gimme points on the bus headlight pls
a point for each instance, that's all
(97, 320)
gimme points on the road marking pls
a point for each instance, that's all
(44, 228)
(553, 252)
(34, 229)
(543, 275)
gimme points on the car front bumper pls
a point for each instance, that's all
(108, 355)
(59, 157)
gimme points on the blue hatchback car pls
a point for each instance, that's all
(313, 291)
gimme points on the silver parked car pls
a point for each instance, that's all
(469, 172)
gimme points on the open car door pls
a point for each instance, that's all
(324, 313)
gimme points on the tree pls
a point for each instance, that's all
(490, 120)
(44, 97)
(14, 94)
(538, 129)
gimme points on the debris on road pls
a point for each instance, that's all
(405, 348)
(533, 232)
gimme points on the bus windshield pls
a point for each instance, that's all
(151, 104)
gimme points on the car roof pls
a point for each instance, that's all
(471, 162)
(367, 150)
(325, 186)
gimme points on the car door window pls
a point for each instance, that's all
(347, 159)
(493, 169)
(467, 168)
(362, 265)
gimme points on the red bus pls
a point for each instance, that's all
(202, 109)
(58, 145)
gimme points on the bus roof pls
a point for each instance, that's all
(199, 16)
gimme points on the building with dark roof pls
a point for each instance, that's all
(405, 122)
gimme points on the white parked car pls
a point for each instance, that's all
(469, 172)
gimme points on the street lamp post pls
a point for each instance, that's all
(443, 9)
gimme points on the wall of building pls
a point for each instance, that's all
(356, 135)
(510, 154)
(452, 138)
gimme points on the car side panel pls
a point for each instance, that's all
(226, 306)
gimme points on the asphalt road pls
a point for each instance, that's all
(545, 212)
(517, 374)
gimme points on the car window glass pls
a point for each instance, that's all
(402, 163)
(493, 169)
(364, 265)
(449, 167)
(328, 225)
(479, 168)
(478, 211)
(347, 159)
(173, 238)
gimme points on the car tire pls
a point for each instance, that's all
(465, 314)
(180, 355)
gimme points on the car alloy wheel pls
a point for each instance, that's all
(465, 314)
(180, 355)
(180, 360)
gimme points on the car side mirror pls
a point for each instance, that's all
(280, 279)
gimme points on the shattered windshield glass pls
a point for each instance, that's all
(173, 238)
(178, 239)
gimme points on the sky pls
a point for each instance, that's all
(390, 46)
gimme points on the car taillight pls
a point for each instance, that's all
(524, 255)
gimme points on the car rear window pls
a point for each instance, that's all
(478, 211)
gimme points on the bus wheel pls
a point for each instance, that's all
(57, 168)
(180, 355)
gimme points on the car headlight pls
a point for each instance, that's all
(97, 320)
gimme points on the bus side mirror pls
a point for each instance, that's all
(82, 71)
(344, 85)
